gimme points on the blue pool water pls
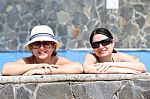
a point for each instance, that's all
(74, 55)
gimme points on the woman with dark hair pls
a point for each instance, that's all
(43, 59)
(105, 59)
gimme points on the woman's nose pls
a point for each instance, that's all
(41, 46)
(100, 45)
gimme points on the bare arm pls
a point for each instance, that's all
(88, 64)
(72, 68)
(138, 66)
(121, 70)
(128, 63)
(18, 68)
(131, 62)
(67, 66)
(122, 67)
(62, 66)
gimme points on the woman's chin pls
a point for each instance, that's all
(42, 56)
(102, 54)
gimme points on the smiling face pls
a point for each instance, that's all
(42, 50)
(105, 45)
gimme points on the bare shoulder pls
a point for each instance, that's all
(125, 57)
(90, 55)
(62, 60)
(90, 58)
(25, 60)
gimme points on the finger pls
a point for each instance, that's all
(97, 64)
(27, 74)
(55, 67)
(102, 68)
(49, 69)
(136, 72)
(106, 68)
(46, 69)
(99, 68)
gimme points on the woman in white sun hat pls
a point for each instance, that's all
(44, 59)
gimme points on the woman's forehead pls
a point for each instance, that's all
(99, 37)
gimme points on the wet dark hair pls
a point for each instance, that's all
(102, 31)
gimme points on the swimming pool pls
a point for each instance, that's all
(75, 55)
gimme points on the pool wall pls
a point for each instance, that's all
(76, 86)
(73, 21)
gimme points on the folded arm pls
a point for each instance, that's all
(18, 68)
(90, 66)
(21, 68)
(66, 66)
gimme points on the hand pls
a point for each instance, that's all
(49, 68)
(121, 70)
(44, 65)
(35, 71)
(102, 67)
(42, 69)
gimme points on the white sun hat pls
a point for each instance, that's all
(41, 33)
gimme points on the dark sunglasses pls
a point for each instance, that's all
(45, 44)
(102, 42)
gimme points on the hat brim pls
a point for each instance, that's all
(26, 47)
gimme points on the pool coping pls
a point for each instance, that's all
(72, 77)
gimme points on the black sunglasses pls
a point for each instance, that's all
(45, 44)
(102, 42)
